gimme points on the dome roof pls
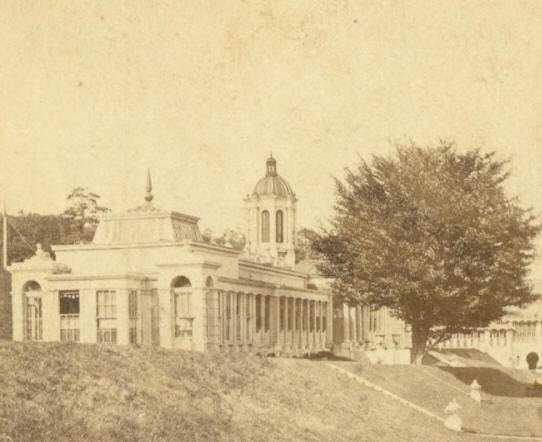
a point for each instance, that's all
(272, 183)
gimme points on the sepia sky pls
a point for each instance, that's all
(93, 93)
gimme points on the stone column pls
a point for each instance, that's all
(322, 334)
(234, 319)
(294, 331)
(241, 299)
(261, 333)
(286, 317)
(319, 323)
(346, 316)
(329, 321)
(359, 324)
(312, 313)
(253, 331)
(276, 321)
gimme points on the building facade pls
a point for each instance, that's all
(148, 278)
(510, 340)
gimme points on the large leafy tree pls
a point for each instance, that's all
(430, 234)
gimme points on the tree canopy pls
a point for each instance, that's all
(430, 233)
(82, 213)
(77, 224)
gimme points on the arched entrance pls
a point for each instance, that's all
(33, 311)
(181, 291)
(532, 360)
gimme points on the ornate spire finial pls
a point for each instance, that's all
(271, 166)
(148, 188)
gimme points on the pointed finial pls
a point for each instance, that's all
(148, 196)
(271, 166)
(270, 154)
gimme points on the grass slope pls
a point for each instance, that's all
(510, 402)
(85, 392)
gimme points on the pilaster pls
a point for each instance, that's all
(87, 315)
(50, 316)
(165, 317)
(123, 321)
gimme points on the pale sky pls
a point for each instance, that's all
(93, 93)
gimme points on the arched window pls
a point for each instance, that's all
(265, 226)
(182, 291)
(279, 227)
(32, 292)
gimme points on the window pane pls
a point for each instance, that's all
(265, 226)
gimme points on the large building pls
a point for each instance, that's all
(148, 278)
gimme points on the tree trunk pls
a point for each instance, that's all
(419, 343)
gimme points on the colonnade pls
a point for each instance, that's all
(241, 321)
(363, 325)
(503, 334)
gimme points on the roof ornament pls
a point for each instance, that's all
(271, 164)
(148, 188)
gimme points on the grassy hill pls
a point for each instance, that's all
(86, 392)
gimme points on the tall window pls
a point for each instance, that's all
(133, 316)
(279, 226)
(265, 226)
(258, 312)
(106, 316)
(33, 318)
(69, 315)
(182, 291)
(324, 316)
(32, 295)
(318, 313)
(267, 311)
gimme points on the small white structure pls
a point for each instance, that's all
(452, 421)
(475, 388)
(148, 278)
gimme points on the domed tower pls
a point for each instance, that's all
(271, 211)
